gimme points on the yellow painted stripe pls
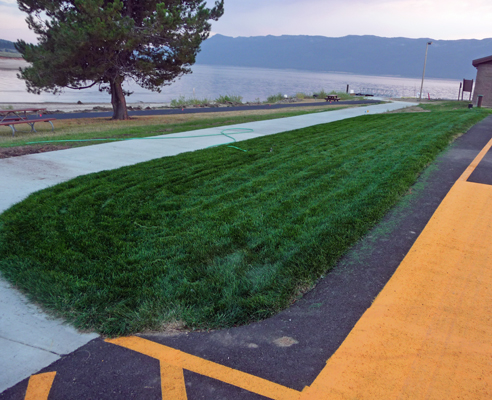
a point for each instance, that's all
(475, 162)
(428, 334)
(39, 386)
(172, 382)
(178, 359)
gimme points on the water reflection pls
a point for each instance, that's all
(251, 83)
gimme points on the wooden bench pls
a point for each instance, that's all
(332, 97)
(11, 121)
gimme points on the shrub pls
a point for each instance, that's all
(182, 101)
(229, 99)
(275, 98)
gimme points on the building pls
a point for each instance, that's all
(483, 83)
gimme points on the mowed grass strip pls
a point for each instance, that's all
(217, 237)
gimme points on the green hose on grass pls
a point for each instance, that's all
(230, 131)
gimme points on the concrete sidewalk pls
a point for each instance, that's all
(29, 340)
(24, 175)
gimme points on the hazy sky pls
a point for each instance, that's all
(436, 19)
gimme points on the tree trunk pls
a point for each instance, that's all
(118, 100)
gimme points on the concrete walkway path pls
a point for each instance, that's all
(24, 175)
(30, 340)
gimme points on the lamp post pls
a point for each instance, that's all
(423, 74)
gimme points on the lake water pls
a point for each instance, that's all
(251, 83)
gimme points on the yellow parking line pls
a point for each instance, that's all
(39, 386)
(173, 358)
(172, 382)
(428, 333)
(475, 162)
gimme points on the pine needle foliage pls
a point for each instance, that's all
(85, 43)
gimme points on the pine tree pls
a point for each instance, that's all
(86, 43)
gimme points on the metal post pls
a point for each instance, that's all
(459, 92)
(423, 74)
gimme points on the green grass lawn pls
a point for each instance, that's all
(443, 105)
(217, 237)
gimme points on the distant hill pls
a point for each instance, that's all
(8, 47)
(368, 55)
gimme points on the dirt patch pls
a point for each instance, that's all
(174, 328)
(7, 152)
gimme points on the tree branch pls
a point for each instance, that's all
(83, 87)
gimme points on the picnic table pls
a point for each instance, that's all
(332, 97)
(24, 116)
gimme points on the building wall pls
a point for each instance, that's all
(483, 84)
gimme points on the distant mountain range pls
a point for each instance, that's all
(7, 46)
(367, 55)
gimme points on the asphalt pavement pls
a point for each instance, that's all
(201, 110)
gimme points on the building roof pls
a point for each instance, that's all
(483, 60)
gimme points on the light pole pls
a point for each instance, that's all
(423, 74)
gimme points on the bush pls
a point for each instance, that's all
(275, 98)
(229, 99)
(321, 94)
(182, 101)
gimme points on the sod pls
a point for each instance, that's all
(216, 237)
